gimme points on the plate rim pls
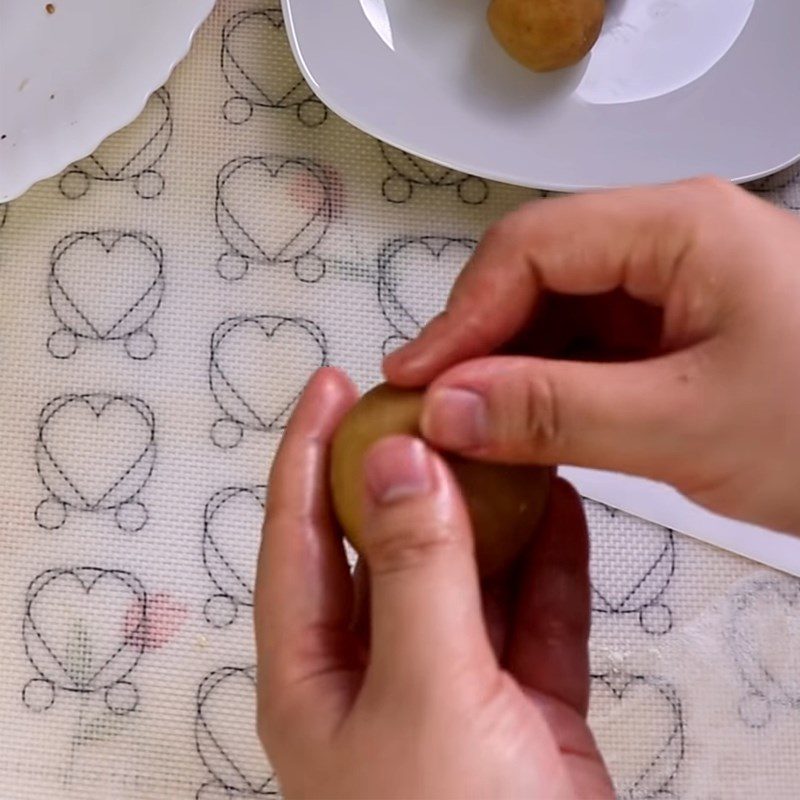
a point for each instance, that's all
(453, 163)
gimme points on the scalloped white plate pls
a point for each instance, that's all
(70, 78)
(673, 88)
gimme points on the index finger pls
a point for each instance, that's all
(632, 239)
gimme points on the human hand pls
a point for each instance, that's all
(432, 706)
(692, 289)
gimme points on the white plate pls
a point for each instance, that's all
(70, 78)
(672, 89)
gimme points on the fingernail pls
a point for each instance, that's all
(456, 419)
(397, 469)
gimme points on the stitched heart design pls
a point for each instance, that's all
(225, 731)
(267, 74)
(106, 284)
(764, 633)
(96, 450)
(638, 725)
(626, 578)
(136, 148)
(272, 209)
(75, 631)
(415, 276)
(259, 366)
(233, 519)
(418, 170)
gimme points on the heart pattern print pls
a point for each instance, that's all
(638, 725)
(225, 735)
(232, 514)
(406, 306)
(286, 351)
(130, 158)
(83, 633)
(95, 452)
(300, 188)
(632, 584)
(764, 622)
(410, 172)
(130, 268)
(265, 77)
(164, 301)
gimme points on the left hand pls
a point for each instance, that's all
(457, 694)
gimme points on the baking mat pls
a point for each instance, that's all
(161, 304)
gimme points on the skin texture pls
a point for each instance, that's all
(456, 692)
(692, 289)
(505, 502)
(658, 325)
(545, 35)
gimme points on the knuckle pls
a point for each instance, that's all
(505, 229)
(708, 184)
(474, 332)
(497, 232)
(407, 545)
(533, 416)
(711, 189)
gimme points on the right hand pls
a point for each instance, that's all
(712, 408)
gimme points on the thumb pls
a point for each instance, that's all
(640, 417)
(426, 614)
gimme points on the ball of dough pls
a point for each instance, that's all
(546, 34)
(505, 502)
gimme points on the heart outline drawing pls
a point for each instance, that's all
(138, 167)
(764, 689)
(229, 776)
(404, 320)
(121, 494)
(655, 781)
(53, 670)
(233, 589)
(247, 246)
(249, 92)
(409, 172)
(130, 324)
(239, 413)
(644, 597)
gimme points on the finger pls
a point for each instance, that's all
(303, 596)
(632, 239)
(639, 417)
(605, 327)
(360, 619)
(426, 617)
(548, 649)
(498, 601)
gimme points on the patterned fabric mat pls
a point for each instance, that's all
(163, 302)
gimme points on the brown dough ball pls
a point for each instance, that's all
(505, 502)
(546, 34)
